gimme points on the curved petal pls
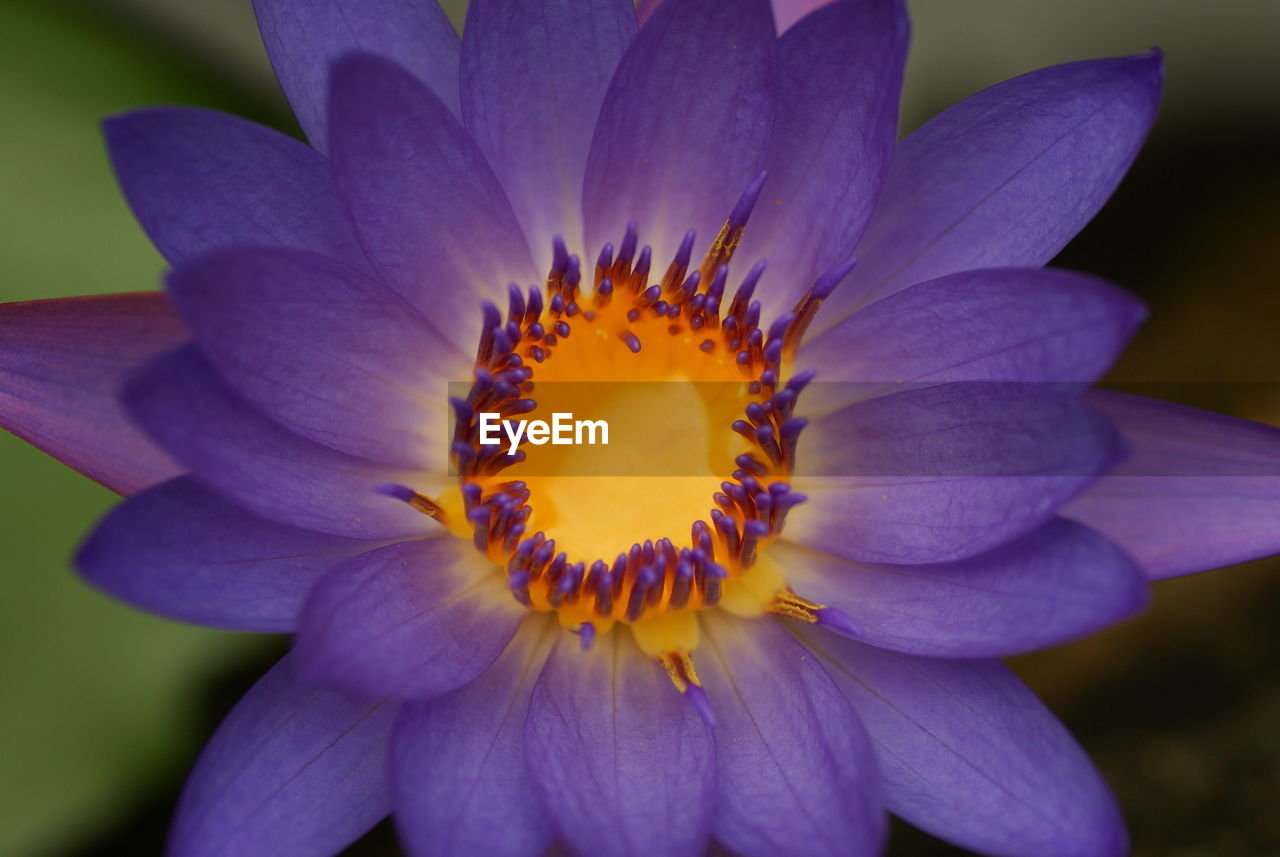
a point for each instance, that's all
(305, 37)
(685, 124)
(1054, 584)
(795, 769)
(533, 117)
(411, 620)
(62, 363)
(181, 403)
(940, 473)
(458, 773)
(969, 754)
(1006, 177)
(292, 770)
(1010, 324)
(1201, 490)
(200, 180)
(325, 351)
(622, 761)
(185, 553)
(427, 207)
(840, 74)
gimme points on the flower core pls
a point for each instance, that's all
(646, 550)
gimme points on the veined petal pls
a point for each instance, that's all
(533, 116)
(178, 550)
(200, 180)
(1056, 583)
(622, 761)
(428, 209)
(1201, 490)
(1011, 324)
(967, 753)
(412, 620)
(62, 363)
(236, 451)
(325, 351)
(940, 473)
(796, 773)
(685, 124)
(1006, 177)
(458, 772)
(304, 38)
(840, 76)
(292, 770)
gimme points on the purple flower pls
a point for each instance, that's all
(507, 662)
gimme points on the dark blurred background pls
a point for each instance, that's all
(103, 709)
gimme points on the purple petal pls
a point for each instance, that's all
(967, 753)
(234, 450)
(1006, 177)
(795, 769)
(61, 365)
(411, 620)
(1201, 490)
(1054, 584)
(840, 77)
(178, 550)
(685, 124)
(325, 351)
(785, 12)
(458, 773)
(199, 180)
(937, 474)
(622, 761)
(533, 118)
(292, 770)
(428, 210)
(994, 325)
(305, 37)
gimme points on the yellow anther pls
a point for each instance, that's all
(679, 667)
(794, 607)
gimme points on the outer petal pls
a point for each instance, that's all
(685, 124)
(180, 551)
(411, 620)
(62, 363)
(796, 773)
(458, 773)
(1054, 584)
(1006, 177)
(292, 770)
(995, 325)
(242, 455)
(199, 180)
(533, 117)
(967, 753)
(940, 473)
(305, 37)
(1202, 490)
(840, 77)
(623, 762)
(785, 12)
(324, 351)
(428, 209)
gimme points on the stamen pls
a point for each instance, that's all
(679, 667)
(421, 502)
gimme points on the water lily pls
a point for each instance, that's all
(766, 653)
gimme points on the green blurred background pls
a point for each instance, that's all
(102, 708)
